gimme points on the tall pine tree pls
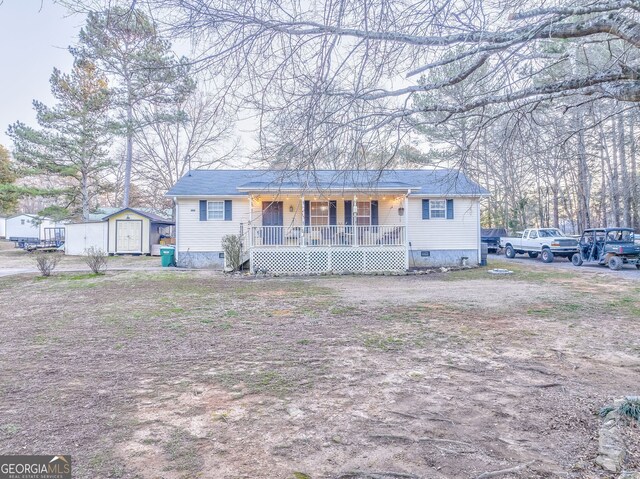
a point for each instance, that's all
(9, 193)
(140, 65)
(74, 135)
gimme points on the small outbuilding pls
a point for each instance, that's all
(29, 226)
(81, 237)
(132, 231)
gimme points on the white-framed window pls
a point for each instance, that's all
(215, 210)
(438, 209)
(363, 213)
(21, 222)
(319, 213)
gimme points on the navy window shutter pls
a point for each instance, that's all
(203, 210)
(333, 212)
(425, 209)
(307, 212)
(347, 212)
(228, 215)
(374, 212)
(449, 209)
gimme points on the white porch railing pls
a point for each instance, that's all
(294, 236)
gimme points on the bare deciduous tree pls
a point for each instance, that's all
(197, 136)
(340, 72)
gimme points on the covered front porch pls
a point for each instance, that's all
(357, 232)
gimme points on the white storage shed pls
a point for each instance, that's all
(82, 236)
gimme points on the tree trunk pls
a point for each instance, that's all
(556, 203)
(615, 183)
(635, 219)
(622, 154)
(128, 159)
(603, 186)
(584, 216)
(85, 197)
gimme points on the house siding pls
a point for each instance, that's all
(197, 236)
(459, 233)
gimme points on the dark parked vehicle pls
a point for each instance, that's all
(611, 246)
(491, 236)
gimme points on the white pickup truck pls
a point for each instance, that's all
(546, 242)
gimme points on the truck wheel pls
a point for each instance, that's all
(576, 259)
(509, 252)
(533, 254)
(570, 258)
(637, 265)
(615, 263)
(547, 256)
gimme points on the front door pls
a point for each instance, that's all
(272, 222)
(129, 236)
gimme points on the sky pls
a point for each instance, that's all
(34, 36)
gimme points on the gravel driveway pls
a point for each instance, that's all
(561, 264)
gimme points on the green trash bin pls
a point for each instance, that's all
(168, 256)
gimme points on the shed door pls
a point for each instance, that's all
(128, 236)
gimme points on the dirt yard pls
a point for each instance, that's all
(178, 375)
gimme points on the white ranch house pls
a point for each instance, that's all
(356, 221)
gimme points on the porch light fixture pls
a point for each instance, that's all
(290, 208)
(401, 211)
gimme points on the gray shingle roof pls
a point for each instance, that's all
(152, 216)
(436, 182)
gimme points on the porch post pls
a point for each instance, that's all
(354, 220)
(304, 226)
(250, 221)
(479, 219)
(406, 228)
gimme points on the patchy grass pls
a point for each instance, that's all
(561, 310)
(9, 429)
(80, 276)
(182, 452)
(384, 342)
(629, 304)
